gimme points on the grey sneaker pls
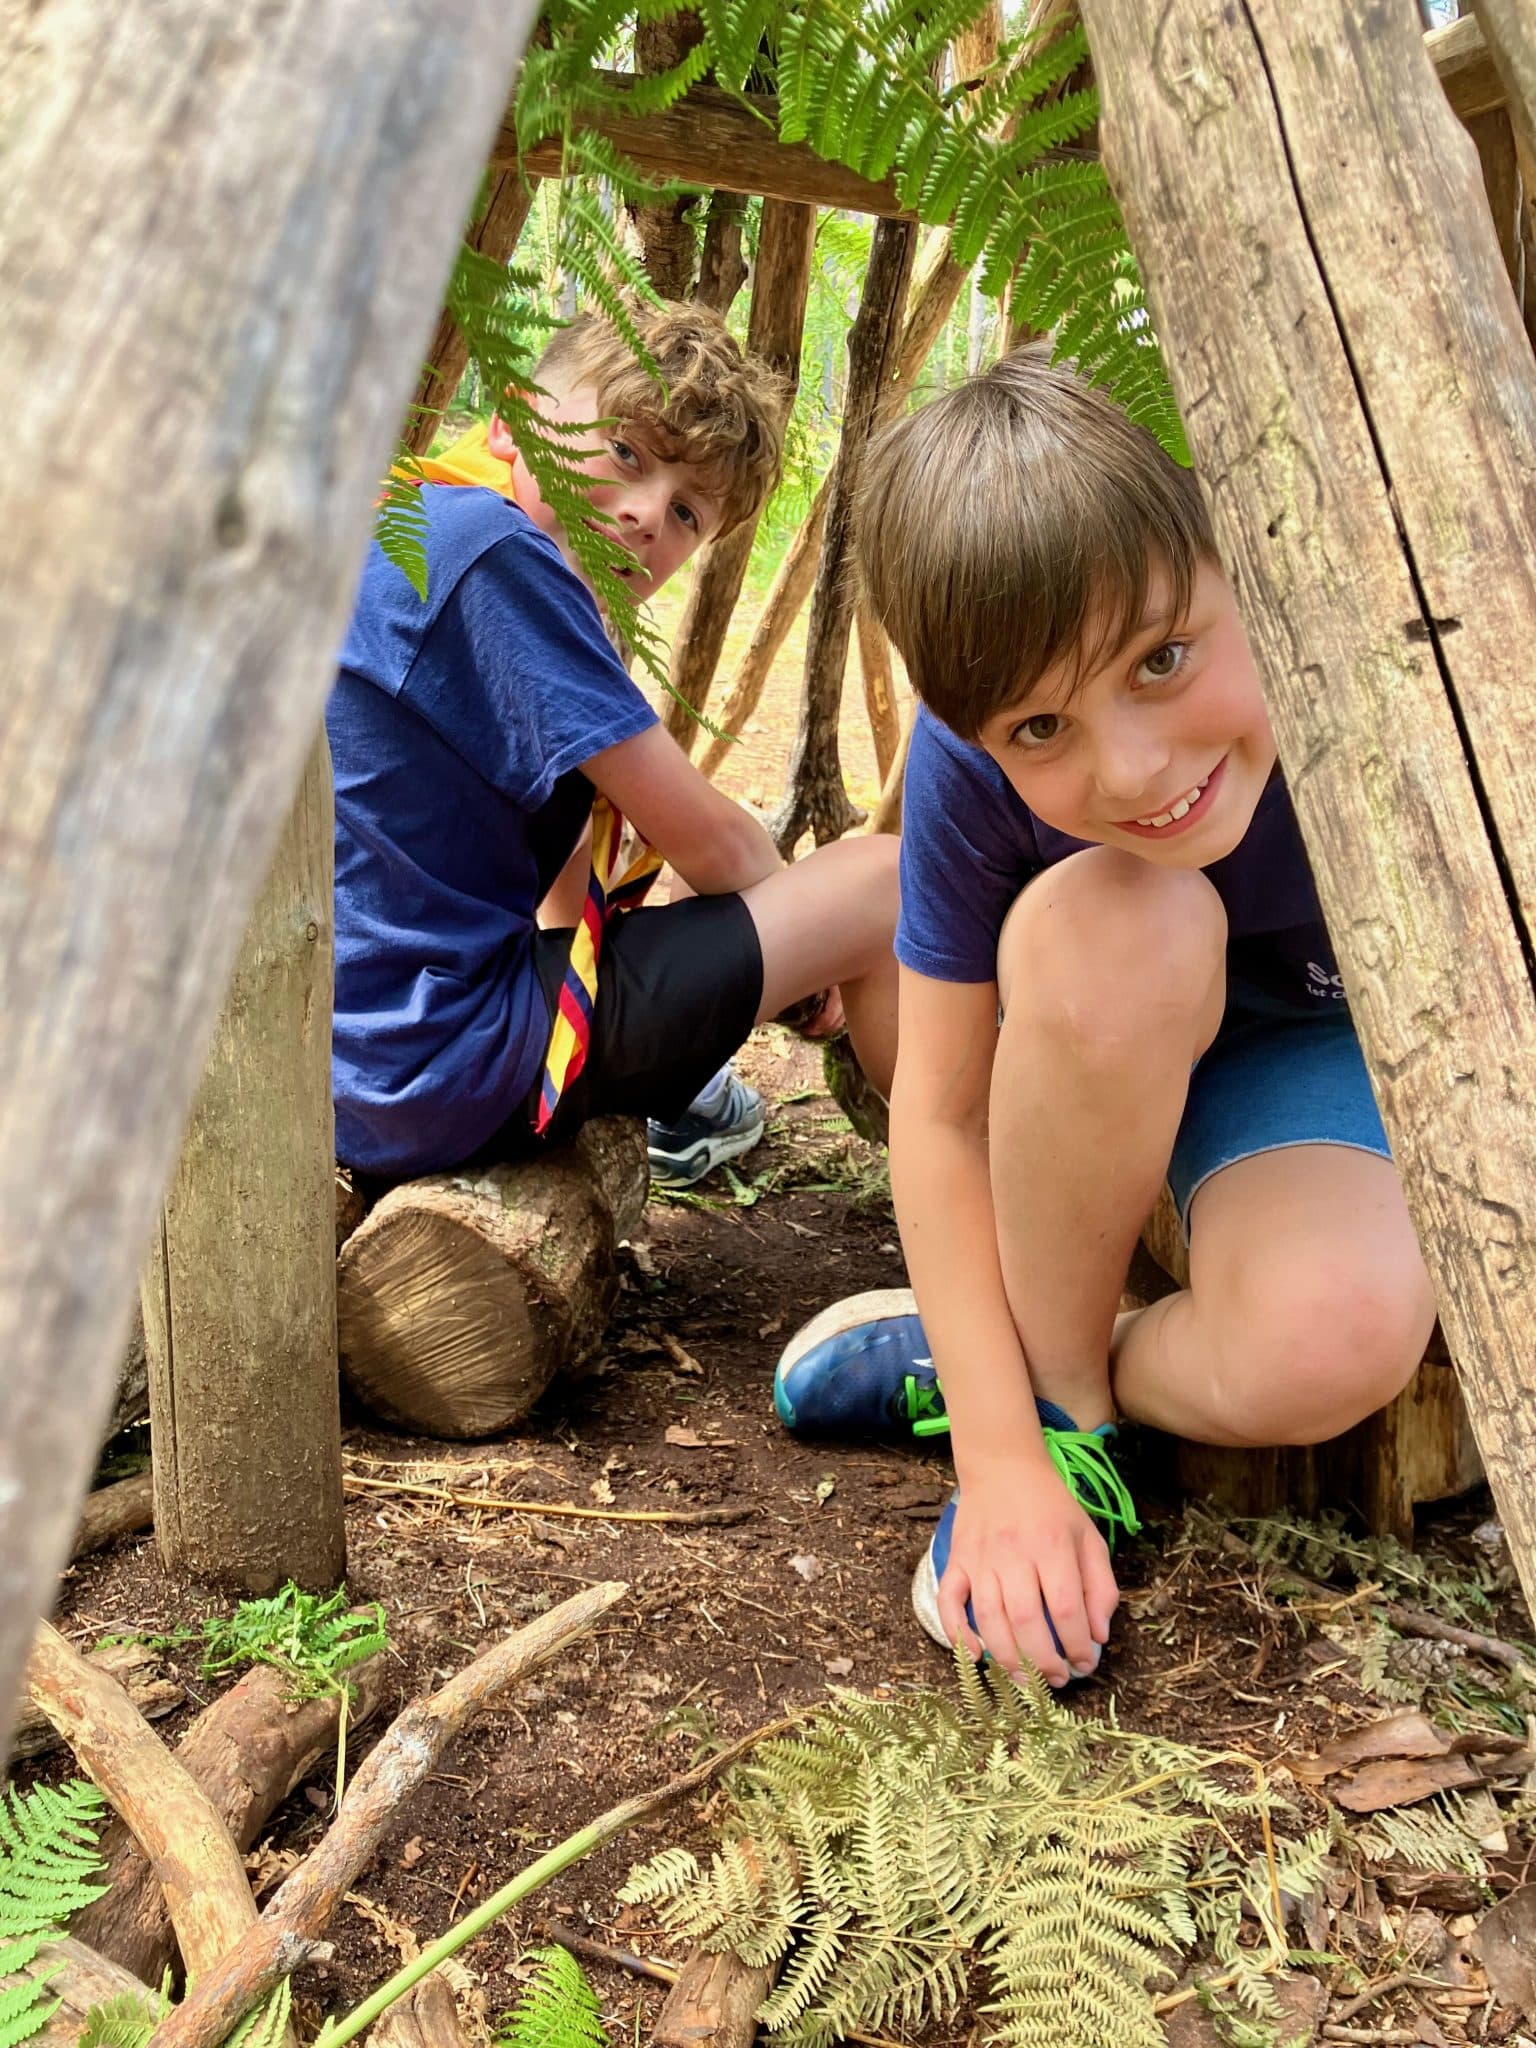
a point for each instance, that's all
(729, 1123)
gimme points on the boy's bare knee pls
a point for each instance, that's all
(1109, 951)
(1318, 1355)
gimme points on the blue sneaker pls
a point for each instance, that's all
(722, 1121)
(1082, 1457)
(861, 1368)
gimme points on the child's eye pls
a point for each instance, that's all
(623, 452)
(1038, 731)
(1163, 663)
(688, 516)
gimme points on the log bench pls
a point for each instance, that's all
(1419, 1448)
(461, 1295)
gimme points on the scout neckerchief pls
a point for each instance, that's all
(470, 461)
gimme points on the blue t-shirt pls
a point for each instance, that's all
(458, 728)
(969, 843)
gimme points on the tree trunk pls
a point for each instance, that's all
(246, 1752)
(240, 1290)
(663, 229)
(230, 269)
(494, 234)
(785, 247)
(722, 266)
(1361, 401)
(934, 292)
(464, 1294)
(879, 688)
(816, 799)
(713, 2003)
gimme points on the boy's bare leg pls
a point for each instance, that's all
(1308, 1306)
(832, 918)
(1112, 979)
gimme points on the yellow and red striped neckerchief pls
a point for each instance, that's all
(470, 461)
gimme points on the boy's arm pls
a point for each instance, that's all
(1021, 1542)
(714, 844)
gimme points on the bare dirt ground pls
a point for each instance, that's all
(724, 1628)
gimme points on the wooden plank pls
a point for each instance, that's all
(1346, 354)
(1465, 68)
(717, 141)
(223, 236)
(1509, 30)
(239, 1290)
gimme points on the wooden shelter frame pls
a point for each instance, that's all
(150, 652)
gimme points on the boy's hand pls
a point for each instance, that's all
(1023, 1549)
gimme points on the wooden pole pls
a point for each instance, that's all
(786, 243)
(934, 291)
(662, 228)
(722, 266)
(214, 351)
(239, 1292)
(816, 799)
(495, 235)
(1361, 402)
(879, 687)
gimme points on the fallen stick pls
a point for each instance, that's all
(247, 1751)
(696, 1518)
(78, 1978)
(197, 1865)
(135, 1667)
(1412, 1621)
(113, 1511)
(287, 1932)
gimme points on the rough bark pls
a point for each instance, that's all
(113, 1511)
(879, 688)
(399, 1764)
(218, 289)
(463, 1294)
(246, 1753)
(425, 2018)
(816, 800)
(722, 263)
(1361, 402)
(886, 816)
(713, 2003)
(79, 1979)
(662, 228)
(239, 1293)
(197, 1866)
(785, 246)
(934, 292)
(136, 1669)
(495, 235)
(717, 141)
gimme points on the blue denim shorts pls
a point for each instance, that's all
(1275, 1075)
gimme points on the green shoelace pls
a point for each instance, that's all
(1081, 1456)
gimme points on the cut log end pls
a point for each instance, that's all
(462, 1295)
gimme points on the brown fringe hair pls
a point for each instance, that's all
(1014, 523)
(722, 412)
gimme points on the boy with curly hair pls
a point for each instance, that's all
(1113, 971)
(484, 1005)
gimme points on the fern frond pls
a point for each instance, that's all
(49, 1857)
(126, 2021)
(557, 2008)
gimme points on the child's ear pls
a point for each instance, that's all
(498, 439)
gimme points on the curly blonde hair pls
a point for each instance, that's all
(722, 412)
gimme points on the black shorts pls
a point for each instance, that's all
(678, 990)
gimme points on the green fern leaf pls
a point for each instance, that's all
(557, 2009)
(126, 2021)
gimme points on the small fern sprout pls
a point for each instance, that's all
(557, 2009)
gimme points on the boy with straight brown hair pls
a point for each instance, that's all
(1113, 970)
(484, 1006)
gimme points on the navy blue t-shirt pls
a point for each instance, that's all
(969, 843)
(457, 728)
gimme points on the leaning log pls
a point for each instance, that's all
(223, 234)
(137, 1670)
(816, 799)
(463, 1294)
(1361, 402)
(113, 1511)
(246, 1752)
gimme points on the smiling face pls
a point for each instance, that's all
(659, 510)
(1162, 748)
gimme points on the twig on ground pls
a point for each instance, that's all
(285, 1935)
(1401, 1980)
(447, 1497)
(1411, 1621)
(181, 1831)
(1409, 2037)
